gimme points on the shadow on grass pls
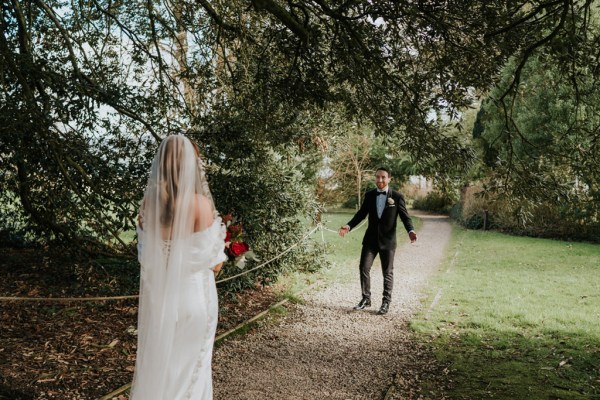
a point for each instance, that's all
(508, 365)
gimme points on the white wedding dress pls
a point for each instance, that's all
(181, 240)
(176, 364)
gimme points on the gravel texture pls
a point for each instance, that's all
(322, 349)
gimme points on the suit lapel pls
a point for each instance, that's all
(385, 205)
(374, 203)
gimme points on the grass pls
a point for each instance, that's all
(342, 252)
(518, 318)
(342, 255)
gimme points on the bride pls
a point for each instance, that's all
(180, 244)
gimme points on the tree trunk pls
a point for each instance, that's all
(358, 187)
(181, 50)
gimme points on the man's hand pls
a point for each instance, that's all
(413, 236)
(343, 230)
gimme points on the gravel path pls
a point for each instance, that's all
(322, 349)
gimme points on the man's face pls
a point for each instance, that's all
(382, 179)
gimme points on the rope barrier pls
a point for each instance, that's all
(272, 259)
(355, 228)
(320, 227)
(324, 228)
(68, 299)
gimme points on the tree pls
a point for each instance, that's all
(352, 159)
(545, 149)
(350, 164)
(89, 88)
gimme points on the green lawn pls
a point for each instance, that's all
(342, 254)
(517, 318)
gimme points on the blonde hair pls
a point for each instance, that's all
(171, 152)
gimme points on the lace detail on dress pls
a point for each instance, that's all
(195, 375)
(166, 247)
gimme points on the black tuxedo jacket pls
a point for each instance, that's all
(381, 233)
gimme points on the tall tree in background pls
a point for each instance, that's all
(350, 165)
(546, 151)
(354, 157)
(90, 87)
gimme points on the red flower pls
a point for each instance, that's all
(227, 236)
(235, 229)
(238, 248)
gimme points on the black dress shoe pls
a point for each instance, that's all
(385, 307)
(364, 303)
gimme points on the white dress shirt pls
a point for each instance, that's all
(380, 200)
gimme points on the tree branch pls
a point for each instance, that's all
(523, 19)
(529, 51)
(216, 17)
(91, 208)
(284, 17)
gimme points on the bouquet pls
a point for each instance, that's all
(236, 248)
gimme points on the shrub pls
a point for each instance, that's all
(478, 209)
(435, 201)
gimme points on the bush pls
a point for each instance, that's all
(478, 210)
(351, 203)
(435, 201)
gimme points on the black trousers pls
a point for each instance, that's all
(367, 256)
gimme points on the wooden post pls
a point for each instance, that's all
(485, 220)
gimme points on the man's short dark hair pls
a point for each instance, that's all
(389, 173)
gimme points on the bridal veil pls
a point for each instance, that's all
(167, 250)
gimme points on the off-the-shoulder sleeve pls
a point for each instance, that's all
(217, 251)
(208, 247)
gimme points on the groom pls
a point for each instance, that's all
(383, 206)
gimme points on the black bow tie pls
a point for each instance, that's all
(378, 193)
